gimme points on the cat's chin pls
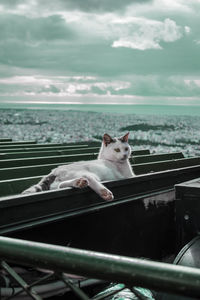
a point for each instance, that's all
(123, 160)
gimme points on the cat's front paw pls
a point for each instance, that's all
(81, 183)
(106, 195)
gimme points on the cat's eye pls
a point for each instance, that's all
(126, 149)
(117, 150)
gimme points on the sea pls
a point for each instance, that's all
(187, 110)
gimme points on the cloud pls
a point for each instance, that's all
(102, 6)
(30, 31)
(68, 86)
(143, 34)
(98, 48)
(59, 85)
(46, 6)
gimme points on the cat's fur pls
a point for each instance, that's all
(112, 164)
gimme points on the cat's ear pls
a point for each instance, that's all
(124, 138)
(107, 139)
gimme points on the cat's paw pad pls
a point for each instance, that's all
(81, 183)
(106, 195)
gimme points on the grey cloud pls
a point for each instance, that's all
(103, 5)
(14, 27)
(172, 86)
(83, 5)
(51, 88)
(11, 3)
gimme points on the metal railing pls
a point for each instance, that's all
(112, 268)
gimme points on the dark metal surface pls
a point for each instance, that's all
(32, 144)
(15, 143)
(43, 169)
(133, 272)
(188, 210)
(41, 148)
(156, 157)
(165, 165)
(30, 161)
(31, 154)
(63, 150)
(5, 140)
(126, 227)
(24, 159)
(20, 281)
(188, 256)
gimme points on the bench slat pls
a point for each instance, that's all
(57, 152)
(156, 157)
(32, 154)
(5, 140)
(36, 147)
(165, 165)
(40, 170)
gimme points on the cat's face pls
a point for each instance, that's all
(116, 149)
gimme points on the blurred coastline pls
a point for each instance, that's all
(189, 110)
(159, 129)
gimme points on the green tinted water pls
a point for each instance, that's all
(115, 108)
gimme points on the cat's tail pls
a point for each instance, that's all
(42, 185)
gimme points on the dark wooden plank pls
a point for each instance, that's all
(165, 165)
(32, 154)
(57, 152)
(156, 157)
(36, 147)
(141, 152)
(5, 140)
(12, 163)
(17, 143)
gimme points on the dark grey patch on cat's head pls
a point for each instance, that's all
(107, 139)
(124, 139)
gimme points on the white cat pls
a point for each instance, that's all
(112, 164)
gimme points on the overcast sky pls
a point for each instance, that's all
(100, 51)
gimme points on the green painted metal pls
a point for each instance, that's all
(29, 290)
(141, 152)
(26, 171)
(31, 161)
(19, 209)
(131, 271)
(12, 163)
(36, 147)
(5, 140)
(56, 152)
(29, 170)
(21, 214)
(14, 143)
(8, 151)
(16, 186)
(32, 154)
(77, 291)
(165, 165)
(76, 155)
(156, 157)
